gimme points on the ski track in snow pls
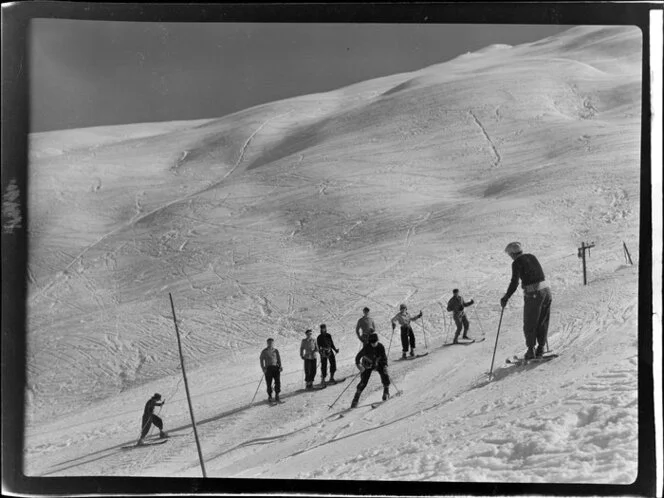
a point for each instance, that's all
(496, 155)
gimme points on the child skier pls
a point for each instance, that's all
(456, 305)
(271, 366)
(371, 357)
(403, 318)
(308, 350)
(150, 418)
(327, 349)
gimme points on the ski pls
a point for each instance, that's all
(412, 357)
(151, 443)
(518, 361)
(461, 343)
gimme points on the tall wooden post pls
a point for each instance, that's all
(186, 387)
(582, 254)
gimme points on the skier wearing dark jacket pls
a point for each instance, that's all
(326, 349)
(371, 357)
(536, 298)
(271, 366)
(150, 418)
(456, 305)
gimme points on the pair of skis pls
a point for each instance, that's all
(520, 361)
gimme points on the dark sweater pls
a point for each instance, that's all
(150, 405)
(325, 341)
(527, 268)
(375, 355)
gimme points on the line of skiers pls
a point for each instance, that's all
(372, 356)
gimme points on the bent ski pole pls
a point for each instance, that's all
(259, 385)
(349, 384)
(496, 345)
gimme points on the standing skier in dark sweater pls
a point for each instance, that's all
(271, 366)
(536, 298)
(371, 357)
(326, 349)
(456, 305)
(150, 418)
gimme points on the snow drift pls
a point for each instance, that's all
(303, 211)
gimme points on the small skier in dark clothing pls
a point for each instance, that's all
(456, 305)
(403, 318)
(326, 349)
(371, 357)
(271, 366)
(150, 418)
(536, 298)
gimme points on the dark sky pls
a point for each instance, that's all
(88, 73)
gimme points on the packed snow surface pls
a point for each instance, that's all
(284, 216)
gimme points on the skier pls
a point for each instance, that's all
(457, 305)
(327, 349)
(271, 366)
(371, 357)
(536, 298)
(150, 418)
(308, 350)
(407, 335)
(365, 326)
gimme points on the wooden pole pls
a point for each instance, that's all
(186, 386)
(496, 345)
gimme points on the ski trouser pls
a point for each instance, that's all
(461, 322)
(272, 374)
(536, 312)
(364, 378)
(407, 336)
(148, 421)
(323, 366)
(309, 370)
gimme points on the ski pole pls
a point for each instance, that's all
(349, 384)
(494, 348)
(426, 344)
(395, 386)
(479, 321)
(259, 385)
(390, 346)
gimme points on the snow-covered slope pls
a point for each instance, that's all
(303, 211)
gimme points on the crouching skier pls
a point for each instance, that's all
(150, 418)
(371, 357)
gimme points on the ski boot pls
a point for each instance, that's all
(539, 352)
(323, 384)
(456, 340)
(332, 381)
(465, 337)
(163, 435)
(276, 398)
(403, 356)
(530, 354)
(412, 351)
(386, 393)
(269, 398)
(140, 442)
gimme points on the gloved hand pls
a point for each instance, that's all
(472, 301)
(360, 367)
(336, 351)
(281, 369)
(302, 357)
(503, 301)
(420, 313)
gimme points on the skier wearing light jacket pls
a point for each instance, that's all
(403, 318)
(271, 366)
(308, 350)
(365, 326)
(456, 305)
(371, 357)
(536, 298)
